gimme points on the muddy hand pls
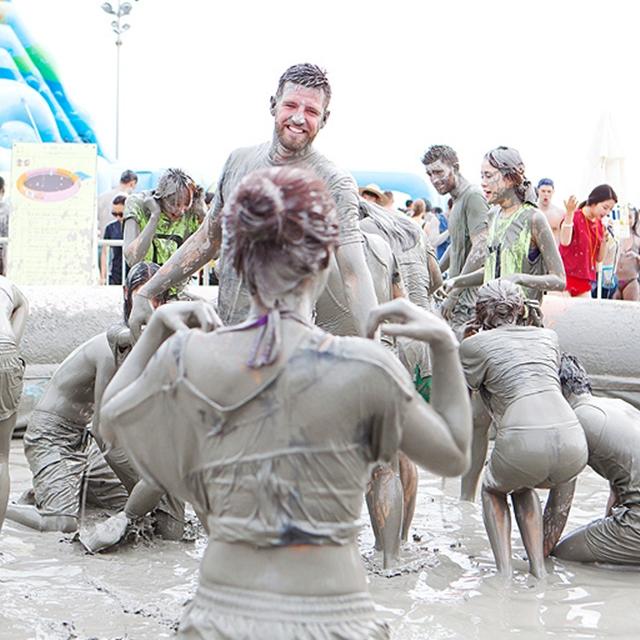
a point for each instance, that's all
(141, 311)
(178, 316)
(403, 318)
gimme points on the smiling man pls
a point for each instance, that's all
(467, 230)
(300, 110)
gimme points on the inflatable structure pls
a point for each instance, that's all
(33, 104)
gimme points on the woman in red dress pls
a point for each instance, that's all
(583, 238)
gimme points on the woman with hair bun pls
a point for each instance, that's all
(583, 241)
(269, 427)
(520, 243)
(539, 441)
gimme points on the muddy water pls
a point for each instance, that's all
(446, 588)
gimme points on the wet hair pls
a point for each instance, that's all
(499, 302)
(1, 183)
(399, 231)
(437, 210)
(174, 184)
(419, 206)
(280, 226)
(208, 197)
(546, 182)
(408, 203)
(573, 376)
(128, 176)
(601, 193)
(509, 163)
(120, 199)
(306, 75)
(441, 152)
(138, 275)
(113, 334)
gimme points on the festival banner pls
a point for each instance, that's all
(52, 225)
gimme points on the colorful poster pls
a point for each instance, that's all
(52, 228)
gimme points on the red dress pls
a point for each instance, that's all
(581, 255)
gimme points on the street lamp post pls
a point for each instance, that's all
(118, 27)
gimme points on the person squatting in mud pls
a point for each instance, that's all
(539, 441)
(278, 469)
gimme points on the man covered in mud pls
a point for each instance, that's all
(468, 225)
(61, 452)
(157, 222)
(14, 310)
(612, 429)
(300, 108)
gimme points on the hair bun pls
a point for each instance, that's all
(260, 208)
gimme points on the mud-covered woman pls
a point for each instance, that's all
(270, 426)
(539, 441)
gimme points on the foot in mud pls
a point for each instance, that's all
(105, 534)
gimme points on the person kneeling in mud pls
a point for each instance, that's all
(62, 453)
(612, 428)
(14, 310)
(539, 441)
(252, 425)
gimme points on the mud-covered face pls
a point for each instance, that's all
(442, 176)
(493, 184)
(300, 112)
(545, 193)
(176, 204)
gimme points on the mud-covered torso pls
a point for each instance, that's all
(510, 363)
(71, 390)
(286, 464)
(233, 296)
(612, 428)
(510, 249)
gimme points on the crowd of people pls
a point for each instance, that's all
(349, 342)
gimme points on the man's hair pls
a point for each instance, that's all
(573, 376)
(119, 199)
(441, 152)
(1, 183)
(306, 75)
(546, 182)
(437, 210)
(128, 176)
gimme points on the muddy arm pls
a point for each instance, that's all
(436, 436)
(358, 285)
(134, 243)
(556, 512)
(200, 247)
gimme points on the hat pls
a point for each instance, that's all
(373, 189)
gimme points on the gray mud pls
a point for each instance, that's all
(445, 588)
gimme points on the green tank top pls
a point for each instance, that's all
(509, 244)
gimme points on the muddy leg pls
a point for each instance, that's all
(384, 499)
(409, 480)
(6, 430)
(497, 521)
(556, 512)
(526, 506)
(479, 445)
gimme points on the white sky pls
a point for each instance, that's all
(197, 75)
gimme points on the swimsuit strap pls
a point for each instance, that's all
(266, 346)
